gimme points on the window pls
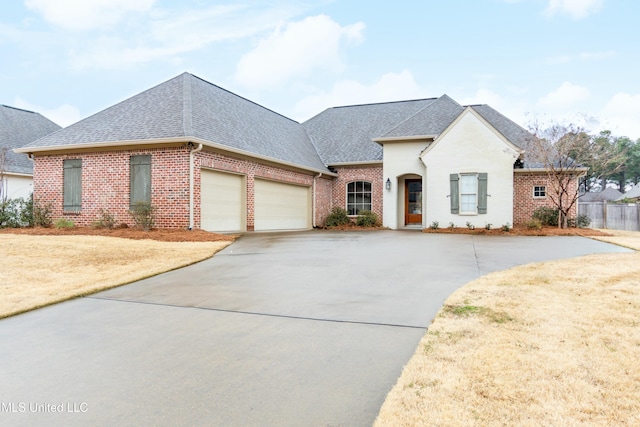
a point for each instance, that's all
(358, 197)
(140, 180)
(72, 185)
(539, 191)
(468, 193)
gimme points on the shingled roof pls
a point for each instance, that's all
(189, 107)
(17, 128)
(345, 134)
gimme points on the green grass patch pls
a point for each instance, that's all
(473, 310)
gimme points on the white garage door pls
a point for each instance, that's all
(221, 201)
(280, 206)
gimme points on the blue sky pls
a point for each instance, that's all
(548, 60)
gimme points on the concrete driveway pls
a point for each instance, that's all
(282, 329)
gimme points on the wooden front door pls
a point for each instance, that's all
(413, 201)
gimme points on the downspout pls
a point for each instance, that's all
(313, 209)
(191, 183)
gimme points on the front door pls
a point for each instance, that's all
(413, 201)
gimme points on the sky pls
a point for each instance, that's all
(536, 61)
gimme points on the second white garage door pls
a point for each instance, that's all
(221, 201)
(280, 206)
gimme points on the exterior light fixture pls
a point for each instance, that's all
(387, 184)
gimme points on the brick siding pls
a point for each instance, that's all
(105, 184)
(523, 201)
(347, 174)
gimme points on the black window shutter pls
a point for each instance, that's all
(454, 194)
(482, 193)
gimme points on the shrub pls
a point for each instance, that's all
(452, 225)
(26, 216)
(337, 217)
(506, 227)
(582, 221)
(470, 226)
(434, 225)
(64, 223)
(488, 226)
(144, 215)
(534, 224)
(42, 214)
(11, 213)
(546, 215)
(105, 220)
(367, 219)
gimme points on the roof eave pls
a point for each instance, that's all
(166, 141)
(582, 170)
(385, 139)
(260, 156)
(358, 163)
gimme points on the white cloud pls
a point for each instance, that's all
(621, 113)
(566, 95)
(577, 9)
(169, 34)
(297, 48)
(63, 115)
(86, 14)
(390, 87)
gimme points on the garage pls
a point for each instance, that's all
(222, 201)
(281, 206)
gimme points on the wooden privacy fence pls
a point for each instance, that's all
(611, 215)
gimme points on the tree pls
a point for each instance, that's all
(608, 162)
(630, 171)
(565, 153)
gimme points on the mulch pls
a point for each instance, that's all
(164, 235)
(182, 235)
(520, 231)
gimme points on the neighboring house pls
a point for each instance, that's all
(207, 158)
(607, 195)
(17, 128)
(632, 195)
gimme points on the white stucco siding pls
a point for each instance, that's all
(16, 186)
(469, 146)
(399, 159)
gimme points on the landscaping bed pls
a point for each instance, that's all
(520, 231)
(163, 235)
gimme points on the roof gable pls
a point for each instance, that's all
(432, 120)
(511, 148)
(345, 134)
(17, 128)
(512, 131)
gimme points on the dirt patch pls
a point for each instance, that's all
(160, 234)
(520, 231)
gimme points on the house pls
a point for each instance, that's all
(207, 158)
(633, 195)
(606, 195)
(17, 128)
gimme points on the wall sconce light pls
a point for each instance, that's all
(387, 184)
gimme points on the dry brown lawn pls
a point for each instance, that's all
(554, 343)
(44, 269)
